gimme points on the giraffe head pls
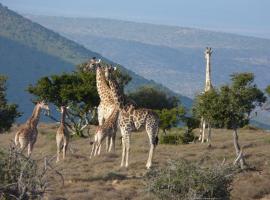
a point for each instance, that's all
(43, 105)
(208, 52)
(92, 64)
(108, 70)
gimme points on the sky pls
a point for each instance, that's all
(246, 17)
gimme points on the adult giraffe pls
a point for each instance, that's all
(208, 86)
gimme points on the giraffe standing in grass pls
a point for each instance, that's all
(132, 119)
(106, 105)
(27, 134)
(106, 130)
(62, 135)
(208, 87)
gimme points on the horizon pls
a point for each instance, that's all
(193, 14)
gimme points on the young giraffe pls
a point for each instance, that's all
(27, 135)
(62, 135)
(132, 119)
(106, 130)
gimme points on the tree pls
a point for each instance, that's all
(76, 90)
(170, 117)
(231, 106)
(149, 97)
(8, 112)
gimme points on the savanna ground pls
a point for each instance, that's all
(102, 177)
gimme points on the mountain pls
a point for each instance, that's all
(29, 51)
(169, 55)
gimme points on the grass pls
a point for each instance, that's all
(102, 177)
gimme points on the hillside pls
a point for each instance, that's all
(102, 178)
(172, 56)
(29, 51)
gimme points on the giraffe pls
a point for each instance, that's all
(132, 119)
(106, 130)
(27, 134)
(106, 105)
(208, 87)
(62, 135)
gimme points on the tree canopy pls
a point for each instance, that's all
(8, 112)
(149, 97)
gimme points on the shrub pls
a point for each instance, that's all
(186, 180)
(177, 136)
(21, 177)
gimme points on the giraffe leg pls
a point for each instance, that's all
(152, 131)
(96, 149)
(127, 140)
(30, 148)
(112, 143)
(107, 143)
(209, 134)
(123, 150)
(99, 148)
(65, 150)
(93, 149)
(203, 131)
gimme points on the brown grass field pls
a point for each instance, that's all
(102, 177)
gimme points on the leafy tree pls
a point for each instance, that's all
(170, 117)
(8, 112)
(231, 106)
(76, 90)
(149, 97)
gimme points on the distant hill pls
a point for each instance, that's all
(29, 51)
(169, 55)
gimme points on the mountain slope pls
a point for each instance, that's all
(29, 51)
(170, 55)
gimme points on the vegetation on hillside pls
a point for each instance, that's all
(8, 112)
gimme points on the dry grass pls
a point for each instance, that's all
(102, 177)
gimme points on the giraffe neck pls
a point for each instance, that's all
(208, 81)
(35, 116)
(63, 116)
(117, 94)
(102, 87)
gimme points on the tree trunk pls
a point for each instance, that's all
(239, 155)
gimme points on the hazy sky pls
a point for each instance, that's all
(248, 17)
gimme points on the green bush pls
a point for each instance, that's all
(186, 180)
(177, 136)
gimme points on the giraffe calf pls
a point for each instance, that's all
(62, 135)
(107, 130)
